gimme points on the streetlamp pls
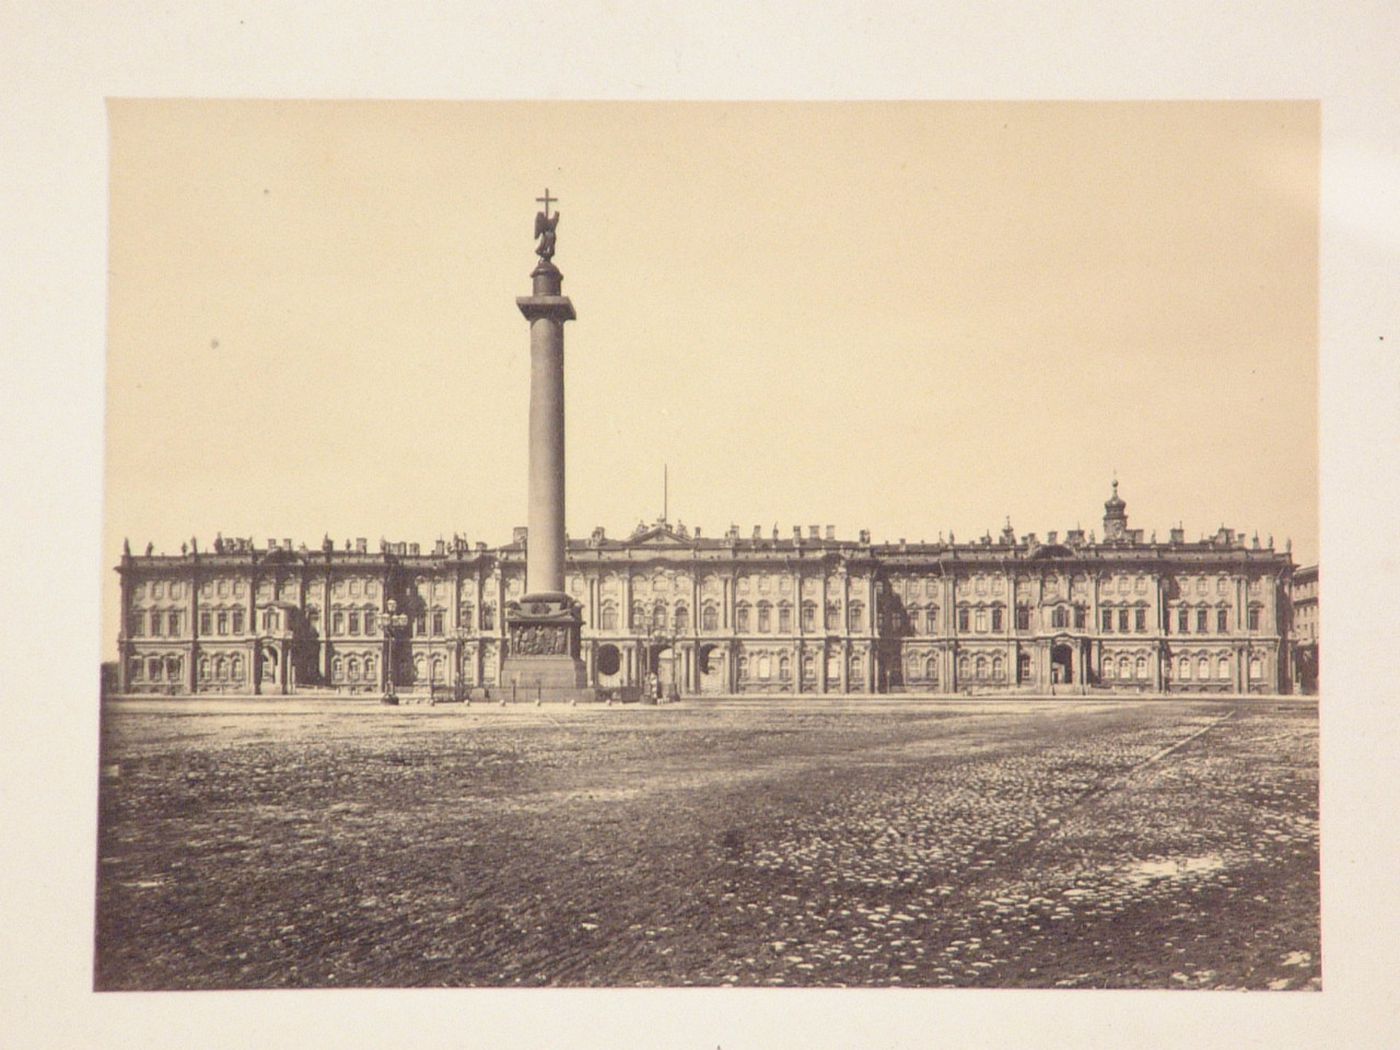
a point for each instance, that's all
(394, 621)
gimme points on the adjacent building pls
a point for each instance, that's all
(767, 613)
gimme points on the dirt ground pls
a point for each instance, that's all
(1139, 844)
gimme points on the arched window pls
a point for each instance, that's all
(998, 668)
(1184, 668)
(1203, 667)
(204, 668)
(1141, 668)
(964, 666)
(833, 616)
(488, 616)
(1060, 617)
(172, 668)
(857, 667)
(784, 667)
(1222, 669)
(607, 617)
(658, 615)
(765, 666)
(220, 669)
(784, 618)
(419, 667)
(809, 616)
(353, 619)
(1256, 668)
(638, 616)
(981, 667)
(368, 669)
(932, 619)
(133, 668)
(269, 620)
(1123, 667)
(235, 667)
(857, 617)
(352, 665)
(682, 619)
(741, 617)
(743, 665)
(931, 668)
(338, 622)
(437, 671)
(1108, 667)
(370, 621)
(809, 667)
(338, 668)
(439, 622)
(465, 611)
(709, 618)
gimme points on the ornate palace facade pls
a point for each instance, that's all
(805, 613)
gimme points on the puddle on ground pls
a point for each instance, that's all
(1174, 868)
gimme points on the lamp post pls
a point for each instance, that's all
(655, 637)
(394, 621)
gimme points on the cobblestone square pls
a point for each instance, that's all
(1130, 844)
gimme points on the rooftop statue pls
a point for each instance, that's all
(544, 228)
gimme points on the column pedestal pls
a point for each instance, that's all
(542, 658)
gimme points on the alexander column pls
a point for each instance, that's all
(543, 627)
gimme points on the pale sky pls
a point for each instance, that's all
(904, 317)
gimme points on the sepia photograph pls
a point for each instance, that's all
(710, 544)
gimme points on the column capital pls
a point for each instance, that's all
(553, 307)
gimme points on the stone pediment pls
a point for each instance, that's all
(661, 535)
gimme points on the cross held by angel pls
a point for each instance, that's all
(544, 227)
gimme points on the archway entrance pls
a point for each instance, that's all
(667, 667)
(608, 665)
(1062, 665)
(711, 665)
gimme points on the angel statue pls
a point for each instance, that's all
(544, 231)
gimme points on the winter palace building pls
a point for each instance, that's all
(667, 608)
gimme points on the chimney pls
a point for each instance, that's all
(831, 532)
(1052, 536)
(697, 532)
(758, 532)
(440, 548)
(814, 532)
(271, 544)
(361, 545)
(413, 549)
(1178, 535)
(797, 533)
(286, 544)
(864, 535)
(520, 534)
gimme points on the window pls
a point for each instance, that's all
(206, 623)
(931, 668)
(1223, 669)
(981, 619)
(369, 621)
(220, 669)
(996, 618)
(998, 668)
(709, 618)
(156, 617)
(1185, 668)
(1081, 616)
(1139, 620)
(488, 617)
(1203, 668)
(1141, 668)
(235, 667)
(338, 622)
(833, 616)
(269, 620)
(931, 588)
(223, 588)
(1107, 619)
(1202, 621)
(1059, 618)
(784, 619)
(1023, 618)
(765, 666)
(784, 667)
(352, 664)
(1123, 671)
(1254, 611)
(438, 622)
(1123, 620)
(1183, 620)
(765, 616)
(237, 621)
(353, 617)
(933, 619)
(369, 668)
(981, 667)
(857, 611)
(607, 617)
(964, 618)
(682, 619)
(174, 623)
(420, 623)
(741, 618)
(223, 622)
(809, 616)
(1222, 620)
